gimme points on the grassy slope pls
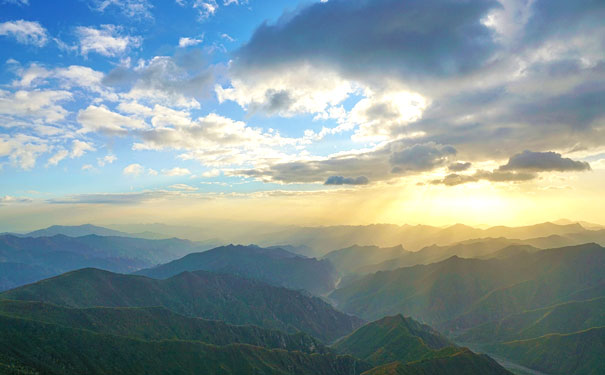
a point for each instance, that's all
(198, 294)
(552, 353)
(157, 323)
(53, 349)
(394, 338)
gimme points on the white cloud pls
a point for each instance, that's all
(25, 32)
(133, 170)
(79, 148)
(130, 8)
(187, 42)
(106, 41)
(152, 172)
(18, 2)
(183, 187)
(206, 8)
(39, 105)
(22, 150)
(100, 119)
(107, 159)
(176, 171)
(211, 173)
(87, 167)
(57, 157)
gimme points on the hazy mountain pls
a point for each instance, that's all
(394, 338)
(463, 362)
(579, 353)
(41, 257)
(468, 292)
(199, 294)
(75, 231)
(350, 259)
(567, 317)
(31, 347)
(158, 323)
(273, 265)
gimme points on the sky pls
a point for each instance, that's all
(301, 112)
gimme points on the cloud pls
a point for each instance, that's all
(454, 179)
(38, 105)
(176, 171)
(79, 148)
(9, 199)
(179, 81)
(543, 161)
(133, 170)
(22, 150)
(183, 187)
(205, 8)
(101, 119)
(459, 166)
(211, 173)
(25, 32)
(383, 163)
(188, 42)
(107, 159)
(57, 157)
(116, 198)
(106, 41)
(130, 8)
(340, 180)
(17, 2)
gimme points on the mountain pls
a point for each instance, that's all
(567, 317)
(158, 323)
(457, 293)
(28, 346)
(463, 362)
(36, 258)
(198, 294)
(273, 265)
(350, 259)
(394, 338)
(579, 353)
(75, 231)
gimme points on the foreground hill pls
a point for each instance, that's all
(273, 265)
(552, 353)
(36, 347)
(42, 257)
(199, 294)
(461, 293)
(563, 318)
(394, 338)
(158, 323)
(463, 362)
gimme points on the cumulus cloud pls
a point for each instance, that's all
(459, 166)
(188, 42)
(22, 150)
(38, 105)
(176, 171)
(133, 169)
(57, 157)
(183, 187)
(25, 32)
(340, 180)
(107, 40)
(107, 159)
(79, 148)
(543, 161)
(101, 119)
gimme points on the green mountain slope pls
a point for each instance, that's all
(394, 338)
(461, 293)
(563, 318)
(579, 353)
(158, 323)
(273, 265)
(464, 362)
(53, 349)
(199, 294)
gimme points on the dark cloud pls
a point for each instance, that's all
(340, 180)
(417, 38)
(543, 161)
(454, 179)
(459, 167)
(420, 157)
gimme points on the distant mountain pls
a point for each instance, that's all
(579, 353)
(273, 265)
(567, 317)
(350, 259)
(75, 231)
(457, 293)
(40, 257)
(158, 323)
(464, 362)
(199, 294)
(395, 338)
(33, 347)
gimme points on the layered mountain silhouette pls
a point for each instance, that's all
(273, 265)
(201, 294)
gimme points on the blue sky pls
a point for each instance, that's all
(193, 99)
